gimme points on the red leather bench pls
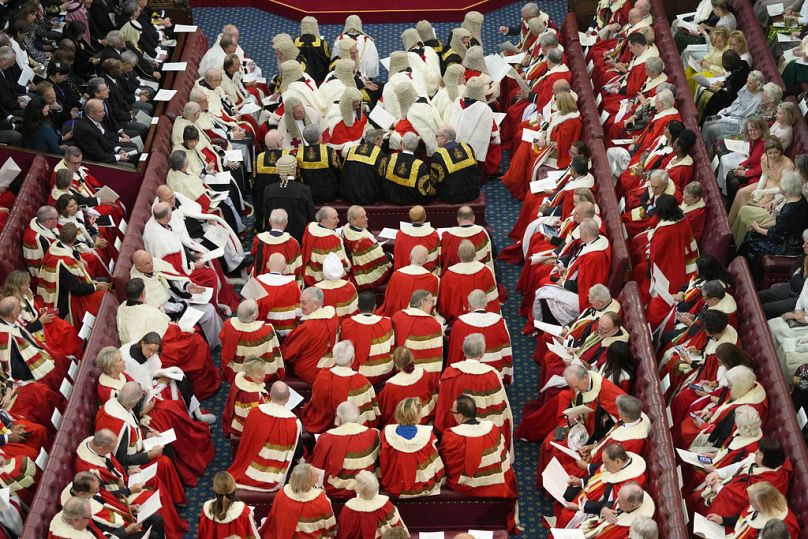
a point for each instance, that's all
(439, 214)
(663, 481)
(162, 137)
(77, 423)
(581, 82)
(782, 421)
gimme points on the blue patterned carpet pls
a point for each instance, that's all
(256, 28)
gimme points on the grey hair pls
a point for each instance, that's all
(314, 294)
(643, 528)
(347, 412)
(45, 212)
(758, 76)
(130, 394)
(94, 85)
(666, 97)
(630, 408)
(655, 64)
(417, 297)
(531, 8)
(115, 38)
(747, 421)
(177, 160)
(635, 493)
(409, 141)
(6, 53)
(555, 56)
(774, 529)
(740, 379)
(590, 227)
(278, 217)
(247, 311)
(773, 92)
(477, 299)
(367, 486)
(190, 108)
(75, 508)
(322, 213)
(106, 358)
(371, 135)
(197, 95)
(600, 292)
(104, 438)
(311, 133)
(667, 86)
(212, 72)
(350, 214)
(343, 353)
(448, 132)
(474, 346)
(578, 371)
(129, 57)
(548, 39)
(791, 183)
(659, 174)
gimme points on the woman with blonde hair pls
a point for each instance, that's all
(765, 503)
(300, 509)
(711, 62)
(737, 42)
(409, 381)
(564, 128)
(410, 463)
(225, 516)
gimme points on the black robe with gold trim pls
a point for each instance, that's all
(317, 54)
(407, 180)
(319, 167)
(362, 174)
(455, 173)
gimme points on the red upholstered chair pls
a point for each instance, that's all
(781, 422)
(776, 269)
(581, 83)
(663, 482)
(77, 423)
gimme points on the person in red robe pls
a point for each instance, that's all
(492, 327)
(277, 240)
(615, 521)
(96, 454)
(245, 336)
(299, 509)
(319, 239)
(416, 232)
(85, 186)
(344, 451)
(225, 515)
(336, 385)
(482, 382)
(628, 84)
(307, 349)
(268, 425)
(341, 294)
(64, 283)
(247, 392)
(409, 382)
(476, 457)
(417, 329)
(280, 306)
(466, 229)
(694, 208)
(541, 87)
(461, 279)
(347, 121)
(369, 514)
(409, 459)
(372, 337)
(117, 415)
(370, 267)
(766, 503)
(640, 214)
(39, 234)
(598, 490)
(407, 279)
(74, 521)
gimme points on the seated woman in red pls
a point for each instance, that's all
(634, 176)
(369, 514)
(766, 503)
(225, 516)
(299, 509)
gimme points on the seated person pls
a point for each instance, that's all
(312, 340)
(300, 508)
(225, 515)
(247, 391)
(418, 329)
(369, 510)
(409, 382)
(370, 267)
(322, 180)
(246, 336)
(406, 178)
(454, 169)
(372, 337)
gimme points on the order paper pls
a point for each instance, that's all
(149, 507)
(189, 319)
(142, 477)
(554, 480)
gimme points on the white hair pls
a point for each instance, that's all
(343, 353)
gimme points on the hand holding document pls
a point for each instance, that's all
(142, 477)
(149, 507)
(162, 439)
(575, 411)
(706, 528)
(554, 480)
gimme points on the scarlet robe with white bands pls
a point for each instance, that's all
(750, 523)
(492, 326)
(341, 295)
(343, 452)
(600, 528)
(331, 388)
(411, 467)
(244, 395)
(451, 239)
(368, 518)
(265, 245)
(422, 334)
(281, 304)
(271, 434)
(35, 242)
(410, 235)
(459, 281)
(372, 337)
(369, 265)
(254, 339)
(403, 283)
(237, 522)
(318, 241)
(307, 349)
(296, 515)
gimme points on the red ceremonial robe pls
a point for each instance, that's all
(410, 235)
(50, 285)
(633, 437)
(492, 326)
(270, 438)
(601, 528)
(266, 244)
(306, 515)
(422, 334)
(369, 265)
(340, 294)
(402, 284)
(244, 395)
(280, 305)
(368, 518)
(411, 467)
(673, 249)
(331, 388)
(732, 498)
(254, 339)
(416, 384)
(451, 239)
(237, 522)
(56, 335)
(318, 241)
(751, 522)
(372, 338)
(343, 452)
(459, 281)
(307, 349)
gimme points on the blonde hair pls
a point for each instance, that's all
(719, 31)
(14, 282)
(224, 486)
(408, 411)
(769, 500)
(302, 478)
(565, 103)
(403, 358)
(738, 36)
(584, 193)
(253, 366)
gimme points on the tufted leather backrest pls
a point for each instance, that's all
(183, 83)
(663, 481)
(77, 423)
(673, 67)
(781, 422)
(581, 82)
(33, 194)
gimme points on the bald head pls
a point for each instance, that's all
(418, 214)
(104, 439)
(130, 394)
(162, 213)
(164, 193)
(465, 215)
(143, 261)
(273, 140)
(276, 263)
(279, 393)
(247, 311)
(9, 308)
(419, 255)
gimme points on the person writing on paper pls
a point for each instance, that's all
(98, 138)
(369, 511)
(118, 416)
(463, 449)
(268, 424)
(336, 449)
(407, 279)
(225, 515)
(245, 336)
(417, 232)
(372, 337)
(492, 327)
(483, 384)
(307, 349)
(362, 171)
(421, 331)
(370, 266)
(454, 168)
(320, 239)
(766, 503)
(180, 347)
(280, 304)
(336, 385)
(173, 293)
(461, 279)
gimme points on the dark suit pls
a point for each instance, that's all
(296, 199)
(95, 146)
(9, 93)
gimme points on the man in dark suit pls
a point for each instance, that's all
(118, 104)
(96, 137)
(9, 102)
(292, 196)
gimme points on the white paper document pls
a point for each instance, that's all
(497, 67)
(586, 40)
(786, 38)
(216, 235)
(542, 185)
(381, 117)
(203, 297)
(737, 146)
(515, 58)
(142, 477)
(498, 117)
(563, 533)
(164, 95)
(8, 172)
(623, 141)
(431, 535)
(665, 383)
(184, 28)
(566, 450)
(295, 399)
(558, 350)
(249, 108)
(175, 66)
(73, 370)
(163, 439)
(690, 457)
(388, 233)
(702, 527)
(802, 418)
(66, 389)
(107, 194)
(481, 534)
(385, 63)
(41, 459)
(776, 10)
(662, 286)
(149, 507)
(688, 26)
(554, 480)
(220, 178)
(56, 418)
(210, 255)
(552, 329)
(528, 135)
(253, 290)
(189, 319)
(234, 155)
(26, 76)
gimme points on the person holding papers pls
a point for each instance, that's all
(743, 167)
(418, 232)
(268, 424)
(766, 503)
(127, 445)
(344, 451)
(179, 345)
(307, 349)
(225, 515)
(74, 521)
(96, 249)
(616, 520)
(245, 336)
